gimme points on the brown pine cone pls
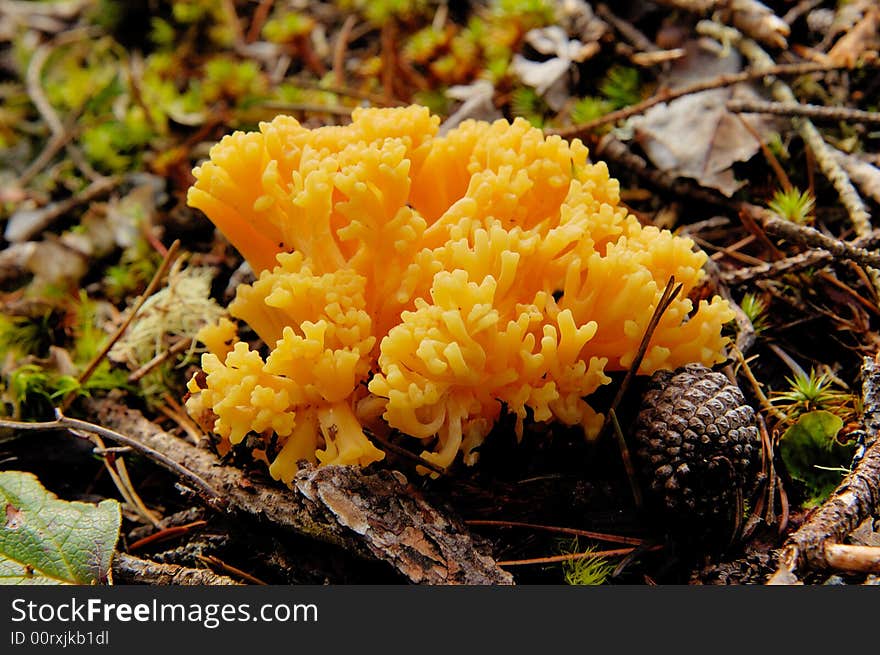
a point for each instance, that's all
(698, 449)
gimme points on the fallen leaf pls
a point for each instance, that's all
(477, 103)
(812, 453)
(549, 78)
(696, 136)
(45, 540)
(857, 41)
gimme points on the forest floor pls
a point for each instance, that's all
(751, 129)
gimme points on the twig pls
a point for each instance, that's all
(151, 288)
(406, 454)
(598, 536)
(228, 7)
(859, 559)
(626, 29)
(627, 461)
(781, 175)
(53, 145)
(118, 450)
(766, 405)
(184, 343)
(41, 102)
(261, 13)
(745, 333)
(813, 238)
(798, 109)
(339, 49)
(18, 231)
(794, 263)
(165, 534)
(215, 561)
(553, 559)
(667, 95)
(612, 149)
(117, 468)
(862, 172)
(751, 16)
(669, 294)
(172, 410)
(870, 374)
(800, 9)
(63, 422)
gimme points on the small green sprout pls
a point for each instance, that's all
(585, 571)
(755, 308)
(811, 392)
(793, 205)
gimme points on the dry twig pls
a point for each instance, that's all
(798, 109)
(792, 264)
(667, 95)
(63, 422)
(128, 569)
(813, 238)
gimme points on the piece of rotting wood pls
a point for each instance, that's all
(374, 515)
(399, 526)
(128, 569)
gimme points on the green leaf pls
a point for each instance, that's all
(811, 443)
(45, 540)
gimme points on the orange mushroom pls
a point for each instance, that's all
(422, 283)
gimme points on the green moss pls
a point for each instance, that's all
(621, 86)
(380, 12)
(589, 109)
(25, 335)
(286, 26)
(135, 269)
(525, 102)
(88, 336)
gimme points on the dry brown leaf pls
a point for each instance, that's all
(860, 39)
(696, 136)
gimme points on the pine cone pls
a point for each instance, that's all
(698, 449)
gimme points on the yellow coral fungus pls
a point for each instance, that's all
(429, 283)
